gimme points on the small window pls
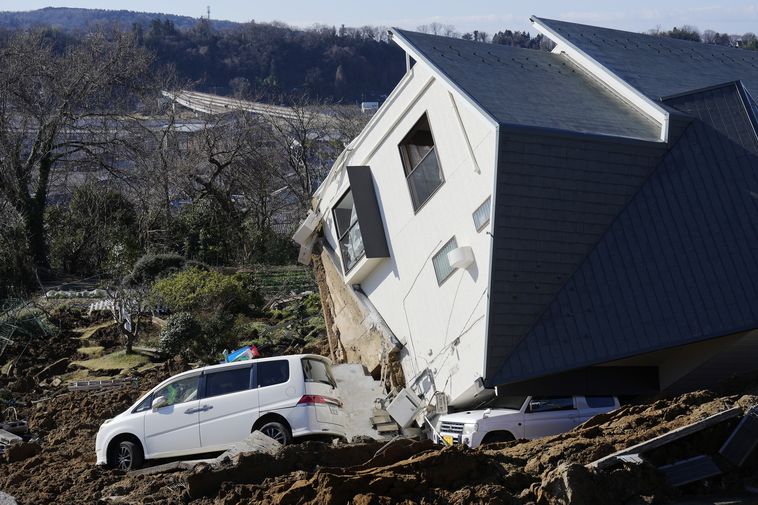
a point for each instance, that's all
(442, 268)
(599, 402)
(273, 372)
(550, 403)
(144, 405)
(482, 215)
(422, 168)
(315, 370)
(181, 391)
(228, 381)
(348, 232)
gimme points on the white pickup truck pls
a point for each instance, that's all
(503, 418)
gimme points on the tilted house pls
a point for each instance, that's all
(580, 221)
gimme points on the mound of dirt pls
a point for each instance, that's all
(64, 471)
(548, 471)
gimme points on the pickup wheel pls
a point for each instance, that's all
(498, 436)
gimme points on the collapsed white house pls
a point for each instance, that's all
(470, 233)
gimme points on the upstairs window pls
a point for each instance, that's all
(349, 232)
(422, 169)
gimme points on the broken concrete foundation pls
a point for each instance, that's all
(356, 331)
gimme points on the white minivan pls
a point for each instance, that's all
(209, 409)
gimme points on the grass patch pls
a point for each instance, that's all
(93, 352)
(89, 332)
(118, 360)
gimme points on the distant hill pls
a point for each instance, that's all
(69, 19)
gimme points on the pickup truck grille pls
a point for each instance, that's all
(451, 427)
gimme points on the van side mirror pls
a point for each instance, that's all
(159, 402)
(534, 405)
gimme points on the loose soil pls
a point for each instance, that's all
(548, 471)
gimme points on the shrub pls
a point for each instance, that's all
(152, 266)
(205, 291)
(180, 333)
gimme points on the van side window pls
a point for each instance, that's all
(273, 372)
(228, 381)
(598, 402)
(550, 403)
(183, 390)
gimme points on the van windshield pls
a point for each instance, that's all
(316, 370)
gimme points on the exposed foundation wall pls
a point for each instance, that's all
(356, 333)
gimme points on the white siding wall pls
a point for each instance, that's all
(427, 317)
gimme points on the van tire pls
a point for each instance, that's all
(277, 431)
(498, 436)
(127, 456)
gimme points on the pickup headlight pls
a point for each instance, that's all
(470, 429)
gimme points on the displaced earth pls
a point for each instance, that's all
(60, 467)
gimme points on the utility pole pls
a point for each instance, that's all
(209, 12)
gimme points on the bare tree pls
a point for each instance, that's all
(57, 106)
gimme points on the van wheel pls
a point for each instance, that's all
(277, 431)
(498, 436)
(127, 456)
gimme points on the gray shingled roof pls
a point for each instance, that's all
(526, 87)
(677, 265)
(661, 66)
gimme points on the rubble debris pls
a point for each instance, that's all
(667, 438)
(743, 440)
(21, 451)
(55, 368)
(93, 385)
(8, 438)
(690, 470)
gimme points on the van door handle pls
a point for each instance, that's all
(205, 408)
(192, 411)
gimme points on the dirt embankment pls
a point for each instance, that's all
(64, 471)
(548, 471)
(545, 471)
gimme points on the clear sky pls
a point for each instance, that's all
(733, 16)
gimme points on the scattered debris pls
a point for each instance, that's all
(94, 385)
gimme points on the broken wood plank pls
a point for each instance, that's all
(635, 459)
(375, 420)
(690, 470)
(743, 440)
(7, 438)
(388, 428)
(668, 437)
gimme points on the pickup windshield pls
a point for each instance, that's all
(317, 371)
(502, 402)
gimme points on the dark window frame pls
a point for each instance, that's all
(405, 161)
(340, 236)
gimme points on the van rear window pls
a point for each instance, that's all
(273, 372)
(316, 370)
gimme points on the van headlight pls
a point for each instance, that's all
(470, 429)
